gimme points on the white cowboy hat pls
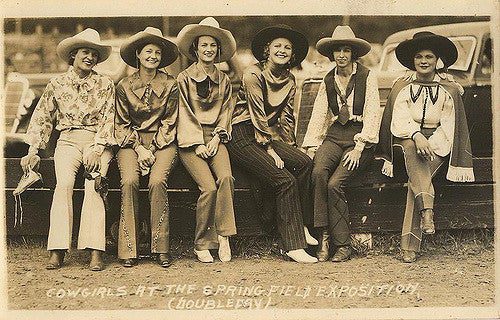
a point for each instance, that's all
(88, 38)
(343, 35)
(169, 51)
(207, 27)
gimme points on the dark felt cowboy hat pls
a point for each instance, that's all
(88, 38)
(298, 40)
(207, 27)
(443, 47)
(343, 35)
(150, 35)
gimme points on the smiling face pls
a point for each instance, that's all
(207, 49)
(280, 51)
(150, 56)
(425, 63)
(342, 56)
(84, 60)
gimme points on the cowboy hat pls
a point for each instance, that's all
(299, 42)
(443, 47)
(88, 38)
(150, 35)
(207, 27)
(343, 35)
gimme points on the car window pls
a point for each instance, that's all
(486, 58)
(465, 46)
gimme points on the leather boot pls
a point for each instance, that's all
(427, 221)
(323, 252)
(56, 259)
(164, 260)
(96, 263)
(343, 254)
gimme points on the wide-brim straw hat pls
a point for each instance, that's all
(443, 47)
(300, 46)
(169, 52)
(207, 27)
(88, 38)
(342, 35)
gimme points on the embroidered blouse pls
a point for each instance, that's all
(322, 116)
(71, 102)
(439, 114)
(267, 100)
(204, 100)
(146, 107)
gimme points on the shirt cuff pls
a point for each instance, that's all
(32, 150)
(360, 145)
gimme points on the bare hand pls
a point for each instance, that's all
(311, 151)
(351, 159)
(91, 161)
(145, 157)
(277, 160)
(423, 147)
(30, 162)
(213, 145)
(202, 151)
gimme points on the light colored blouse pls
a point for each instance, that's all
(204, 100)
(322, 116)
(267, 100)
(439, 114)
(146, 107)
(71, 102)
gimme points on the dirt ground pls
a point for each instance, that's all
(448, 273)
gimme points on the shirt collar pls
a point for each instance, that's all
(413, 77)
(86, 83)
(196, 73)
(354, 69)
(139, 86)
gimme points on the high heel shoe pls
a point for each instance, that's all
(204, 256)
(224, 249)
(310, 240)
(323, 253)
(130, 262)
(56, 259)
(298, 255)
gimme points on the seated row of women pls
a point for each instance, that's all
(156, 119)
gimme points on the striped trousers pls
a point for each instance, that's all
(286, 183)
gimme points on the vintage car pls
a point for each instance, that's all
(379, 201)
(376, 202)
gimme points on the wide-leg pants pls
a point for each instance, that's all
(420, 193)
(68, 158)
(128, 232)
(214, 209)
(329, 176)
(291, 185)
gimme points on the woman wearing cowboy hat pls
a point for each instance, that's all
(145, 128)
(203, 130)
(80, 104)
(425, 117)
(263, 141)
(345, 122)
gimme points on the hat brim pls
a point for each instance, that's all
(190, 32)
(169, 51)
(443, 47)
(66, 46)
(325, 46)
(300, 46)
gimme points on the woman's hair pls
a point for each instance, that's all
(266, 49)
(194, 46)
(73, 53)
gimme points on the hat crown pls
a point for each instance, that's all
(89, 34)
(210, 21)
(343, 33)
(154, 31)
(423, 34)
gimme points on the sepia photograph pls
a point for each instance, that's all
(234, 160)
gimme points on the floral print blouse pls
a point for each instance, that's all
(71, 102)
